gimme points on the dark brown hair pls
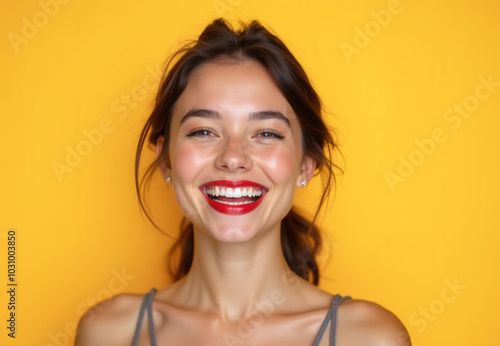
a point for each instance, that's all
(300, 239)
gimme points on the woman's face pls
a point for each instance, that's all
(235, 151)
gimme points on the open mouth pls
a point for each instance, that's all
(233, 196)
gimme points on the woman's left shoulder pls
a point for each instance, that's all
(372, 324)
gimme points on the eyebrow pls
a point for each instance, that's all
(202, 113)
(213, 114)
(263, 115)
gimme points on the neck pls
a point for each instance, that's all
(232, 279)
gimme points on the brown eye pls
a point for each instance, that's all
(201, 132)
(270, 134)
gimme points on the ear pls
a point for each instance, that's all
(165, 171)
(307, 170)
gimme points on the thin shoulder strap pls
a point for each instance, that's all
(333, 325)
(147, 303)
(331, 317)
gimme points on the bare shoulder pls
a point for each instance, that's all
(111, 322)
(367, 323)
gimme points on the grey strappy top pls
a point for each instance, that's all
(147, 305)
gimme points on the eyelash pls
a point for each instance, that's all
(273, 133)
(196, 132)
(205, 132)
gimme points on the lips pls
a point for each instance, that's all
(233, 197)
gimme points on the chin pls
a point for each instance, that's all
(239, 229)
(233, 234)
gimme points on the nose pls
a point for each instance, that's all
(234, 156)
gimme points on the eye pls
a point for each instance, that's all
(201, 132)
(269, 133)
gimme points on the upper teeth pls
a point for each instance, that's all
(237, 192)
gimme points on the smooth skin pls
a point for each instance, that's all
(239, 290)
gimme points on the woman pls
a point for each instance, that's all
(237, 128)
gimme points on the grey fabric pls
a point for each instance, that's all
(147, 304)
(331, 317)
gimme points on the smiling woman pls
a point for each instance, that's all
(237, 128)
(233, 130)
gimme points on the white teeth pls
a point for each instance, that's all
(234, 193)
(233, 203)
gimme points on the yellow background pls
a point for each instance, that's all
(85, 64)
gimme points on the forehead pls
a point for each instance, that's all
(229, 86)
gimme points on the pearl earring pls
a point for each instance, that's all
(169, 180)
(303, 183)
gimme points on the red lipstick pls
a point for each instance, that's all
(238, 203)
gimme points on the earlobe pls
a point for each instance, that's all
(307, 170)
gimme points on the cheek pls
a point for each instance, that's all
(187, 163)
(186, 160)
(280, 163)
